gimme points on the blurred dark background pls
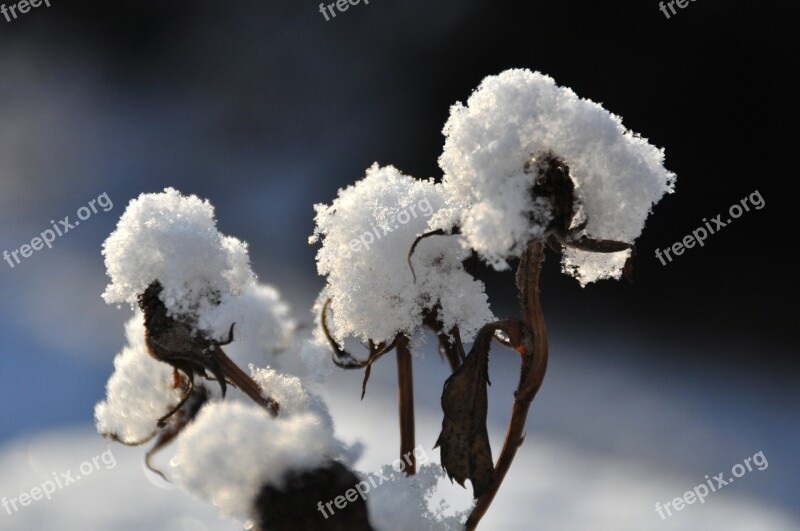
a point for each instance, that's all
(265, 108)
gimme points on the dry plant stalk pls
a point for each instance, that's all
(531, 343)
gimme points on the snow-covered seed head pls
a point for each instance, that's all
(366, 236)
(173, 238)
(521, 115)
(554, 187)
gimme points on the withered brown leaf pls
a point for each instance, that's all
(464, 440)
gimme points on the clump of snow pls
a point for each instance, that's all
(295, 400)
(140, 391)
(263, 325)
(284, 388)
(403, 502)
(289, 392)
(232, 450)
(517, 115)
(366, 235)
(174, 239)
(589, 267)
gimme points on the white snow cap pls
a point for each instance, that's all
(232, 450)
(520, 114)
(140, 391)
(174, 239)
(366, 235)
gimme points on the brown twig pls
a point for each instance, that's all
(437, 232)
(245, 383)
(341, 358)
(405, 399)
(375, 352)
(533, 349)
(450, 346)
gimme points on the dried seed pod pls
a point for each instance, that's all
(176, 341)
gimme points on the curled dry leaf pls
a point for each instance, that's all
(464, 440)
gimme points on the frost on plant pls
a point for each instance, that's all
(518, 116)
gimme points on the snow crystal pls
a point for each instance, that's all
(366, 235)
(140, 391)
(174, 239)
(517, 115)
(232, 450)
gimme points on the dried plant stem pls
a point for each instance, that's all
(533, 350)
(450, 346)
(244, 382)
(405, 398)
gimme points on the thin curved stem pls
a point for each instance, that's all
(350, 361)
(450, 346)
(437, 232)
(534, 365)
(376, 351)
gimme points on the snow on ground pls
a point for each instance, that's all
(577, 470)
(556, 488)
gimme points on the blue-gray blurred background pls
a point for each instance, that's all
(265, 108)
